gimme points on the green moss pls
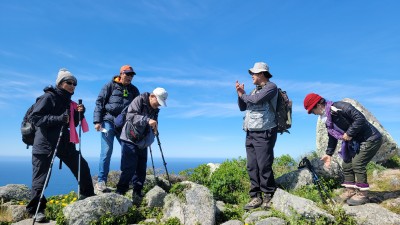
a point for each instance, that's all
(178, 189)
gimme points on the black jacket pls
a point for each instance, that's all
(47, 116)
(111, 100)
(353, 122)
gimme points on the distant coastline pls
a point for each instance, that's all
(18, 170)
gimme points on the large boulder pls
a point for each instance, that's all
(292, 205)
(17, 192)
(303, 176)
(256, 216)
(155, 197)
(197, 205)
(12, 212)
(92, 208)
(388, 149)
(370, 214)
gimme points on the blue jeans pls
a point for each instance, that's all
(133, 167)
(107, 144)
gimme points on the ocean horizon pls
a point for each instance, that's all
(18, 170)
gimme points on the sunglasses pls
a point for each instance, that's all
(129, 74)
(70, 83)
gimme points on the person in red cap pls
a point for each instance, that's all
(112, 99)
(360, 142)
(261, 133)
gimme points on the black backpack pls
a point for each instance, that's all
(27, 128)
(283, 113)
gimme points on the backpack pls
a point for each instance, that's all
(119, 120)
(283, 112)
(136, 133)
(27, 128)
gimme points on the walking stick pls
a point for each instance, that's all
(79, 151)
(323, 192)
(48, 173)
(152, 162)
(162, 155)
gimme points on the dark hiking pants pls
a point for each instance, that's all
(260, 156)
(356, 170)
(133, 167)
(40, 167)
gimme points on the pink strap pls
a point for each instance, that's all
(73, 137)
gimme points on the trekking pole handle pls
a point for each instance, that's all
(80, 103)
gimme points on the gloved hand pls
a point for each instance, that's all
(64, 118)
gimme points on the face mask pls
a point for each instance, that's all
(323, 118)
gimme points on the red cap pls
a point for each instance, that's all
(126, 69)
(310, 101)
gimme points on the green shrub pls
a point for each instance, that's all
(173, 221)
(178, 189)
(312, 193)
(199, 175)
(283, 164)
(231, 212)
(393, 162)
(56, 203)
(230, 182)
(372, 166)
(132, 216)
(341, 217)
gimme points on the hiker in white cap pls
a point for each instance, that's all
(137, 134)
(261, 132)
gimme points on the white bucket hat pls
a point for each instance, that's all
(161, 95)
(259, 67)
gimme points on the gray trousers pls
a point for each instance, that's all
(356, 170)
(260, 156)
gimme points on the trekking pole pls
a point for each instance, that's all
(162, 155)
(152, 162)
(79, 151)
(48, 173)
(323, 193)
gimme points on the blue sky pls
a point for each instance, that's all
(197, 50)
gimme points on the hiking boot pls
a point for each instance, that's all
(362, 186)
(358, 199)
(266, 201)
(82, 197)
(254, 203)
(137, 198)
(40, 217)
(101, 186)
(348, 184)
(348, 193)
(120, 192)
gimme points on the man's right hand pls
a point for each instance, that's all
(153, 125)
(239, 88)
(97, 126)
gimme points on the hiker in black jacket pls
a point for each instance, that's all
(112, 99)
(360, 142)
(50, 114)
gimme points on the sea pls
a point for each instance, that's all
(18, 170)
